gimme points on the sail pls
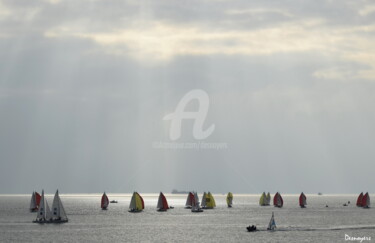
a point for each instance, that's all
(229, 199)
(132, 202)
(263, 199)
(162, 202)
(268, 198)
(189, 200)
(105, 201)
(58, 208)
(366, 200)
(278, 200)
(33, 205)
(139, 202)
(204, 197)
(272, 223)
(210, 201)
(359, 200)
(44, 212)
(302, 200)
(196, 199)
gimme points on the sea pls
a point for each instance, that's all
(88, 223)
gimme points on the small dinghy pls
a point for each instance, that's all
(162, 203)
(136, 203)
(113, 201)
(278, 200)
(44, 213)
(195, 208)
(104, 202)
(251, 228)
(58, 211)
(302, 200)
(34, 202)
(272, 224)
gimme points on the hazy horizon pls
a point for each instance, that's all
(85, 87)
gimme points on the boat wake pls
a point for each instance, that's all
(364, 227)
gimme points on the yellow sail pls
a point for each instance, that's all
(210, 201)
(138, 202)
(263, 199)
(229, 199)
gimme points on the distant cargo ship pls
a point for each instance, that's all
(174, 191)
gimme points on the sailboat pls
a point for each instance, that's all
(263, 199)
(136, 203)
(104, 202)
(209, 201)
(189, 200)
(302, 200)
(203, 203)
(366, 201)
(268, 197)
(44, 213)
(272, 224)
(58, 211)
(162, 203)
(34, 202)
(196, 206)
(229, 199)
(278, 200)
(359, 200)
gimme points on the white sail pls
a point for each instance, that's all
(204, 200)
(33, 202)
(272, 224)
(44, 212)
(58, 208)
(196, 199)
(160, 202)
(368, 200)
(132, 202)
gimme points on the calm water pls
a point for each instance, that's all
(88, 223)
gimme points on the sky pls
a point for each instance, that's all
(85, 85)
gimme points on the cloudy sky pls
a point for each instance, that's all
(84, 87)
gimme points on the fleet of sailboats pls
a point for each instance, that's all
(45, 215)
(35, 201)
(162, 203)
(104, 202)
(229, 199)
(278, 200)
(302, 200)
(136, 203)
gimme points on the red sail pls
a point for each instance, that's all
(143, 203)
(37, 199)
(165, 203)
(359, 200)
(364, 200)
(275, 198)
(192, 198)
(105, 201)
